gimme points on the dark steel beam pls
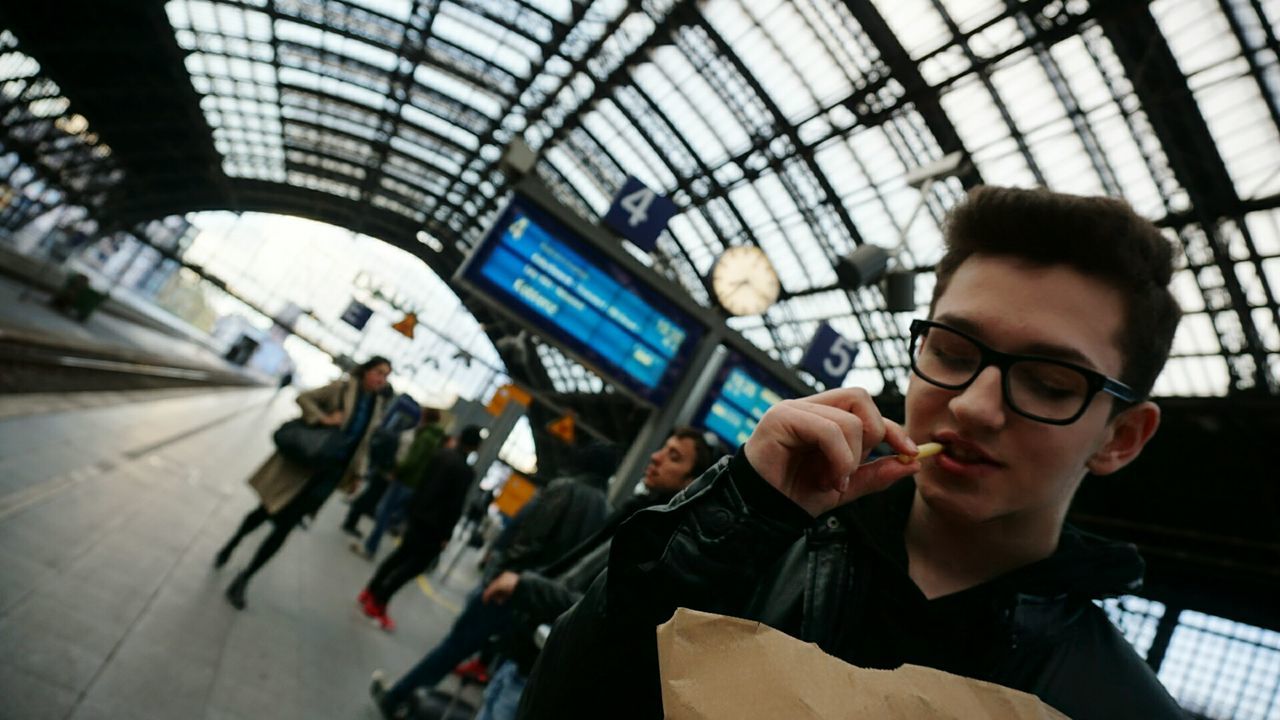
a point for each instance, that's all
(1193, 156)
(927, 99)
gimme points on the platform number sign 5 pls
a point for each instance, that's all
(639, 214)
(829, 357)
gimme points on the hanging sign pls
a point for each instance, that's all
(639, 214)
(547, 276)
(562, 428)
(507, 394)
(829, 357)
(405, 327)
(357, 314)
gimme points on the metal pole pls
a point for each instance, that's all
(707, 360)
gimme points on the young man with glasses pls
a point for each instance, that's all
(1050, 320)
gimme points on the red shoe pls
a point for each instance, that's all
(365, 597)
(371, 609)
(384, 620)
(473, 670)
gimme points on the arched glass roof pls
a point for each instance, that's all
(789, 125)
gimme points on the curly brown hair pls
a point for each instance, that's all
(1100, 237)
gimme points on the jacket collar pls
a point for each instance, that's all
(1084, 565)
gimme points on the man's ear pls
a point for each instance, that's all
(1128, 433)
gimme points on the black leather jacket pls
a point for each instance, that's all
(543, 595)
(566, 512)
(732, 544)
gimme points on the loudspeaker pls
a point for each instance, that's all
(517, 158)
(862, 267)
(900, 291)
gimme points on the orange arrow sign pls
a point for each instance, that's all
(562, 428)
(405, 327)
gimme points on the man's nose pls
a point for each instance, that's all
(982, 403)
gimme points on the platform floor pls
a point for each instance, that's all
(109, 606)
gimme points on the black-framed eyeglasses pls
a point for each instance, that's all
(1044, 389)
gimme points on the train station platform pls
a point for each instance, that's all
(110, 607)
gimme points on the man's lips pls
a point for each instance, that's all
(964, 451)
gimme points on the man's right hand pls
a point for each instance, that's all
(812, 449)
(333, 419)
(501, 589)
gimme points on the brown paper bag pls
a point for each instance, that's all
(720, 668)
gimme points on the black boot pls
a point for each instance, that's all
(222, 557)
(235, 591)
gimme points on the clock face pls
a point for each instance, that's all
(744, 281)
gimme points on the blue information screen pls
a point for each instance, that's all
(539, 269)
(738, 398)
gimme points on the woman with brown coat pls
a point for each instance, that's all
(290, 491)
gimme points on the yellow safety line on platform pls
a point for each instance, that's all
(431, 593)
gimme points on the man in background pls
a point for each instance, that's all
(434, 509)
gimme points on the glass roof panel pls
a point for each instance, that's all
(624, 143)
(744, 27)
(465, 91)
(569, 165)
(709, 108)
(915, 23)
(1229, 97)
(397, 9)
(485, 39)
(672, 102)
(440, 127)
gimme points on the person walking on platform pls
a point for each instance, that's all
(383, 445)
(536, 597)
(289, 491)
(416, 446)
(569, 510)
(433, 511)
(1049, 323)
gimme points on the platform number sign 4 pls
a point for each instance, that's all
(829, 357)
(639, 214)
(637, 203)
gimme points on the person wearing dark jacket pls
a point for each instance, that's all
(539, 596)
(565, 513)
(413, 451)
(1050, 320)
(433, 511)
(382, 452)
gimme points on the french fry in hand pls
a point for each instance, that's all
(926, 450)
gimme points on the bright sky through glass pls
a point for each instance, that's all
(273, 259)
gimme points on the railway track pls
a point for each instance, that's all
(33, 364)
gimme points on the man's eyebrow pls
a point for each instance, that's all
(1041, 349)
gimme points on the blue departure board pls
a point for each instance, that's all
(740, 395)
(537, 268)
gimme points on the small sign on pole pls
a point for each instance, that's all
(507, 394)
